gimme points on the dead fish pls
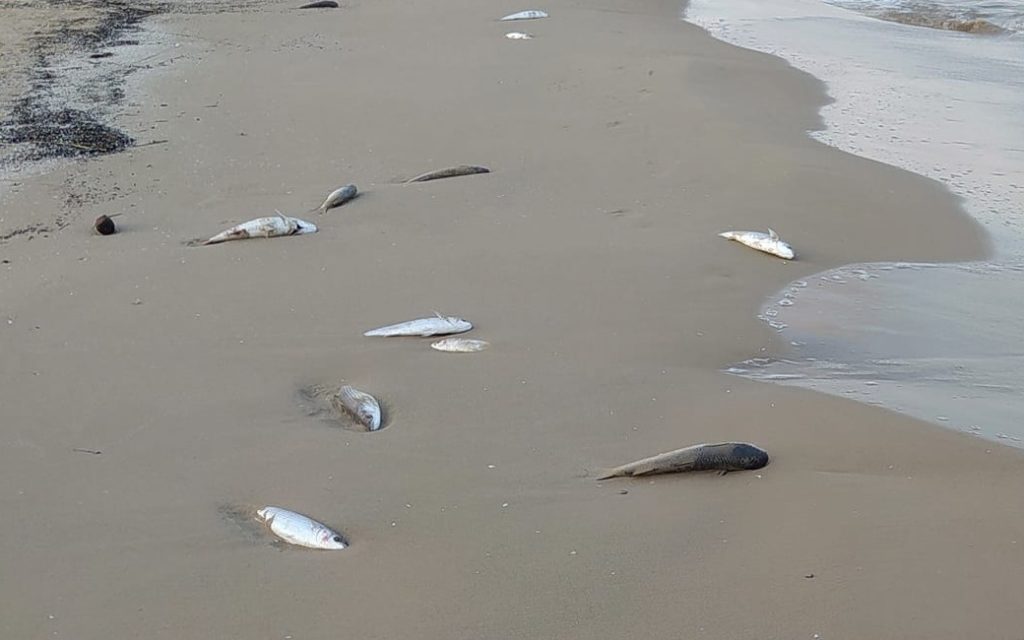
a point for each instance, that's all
(767, 242)
(460, 345)
(531, 14)
(518, 35)
(300, 530)
(362, 405)
(270, 227)
(725, 456)
(338, 197)
(450, 172)
(437, 325)
(321, 4)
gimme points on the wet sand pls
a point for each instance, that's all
(620, 141)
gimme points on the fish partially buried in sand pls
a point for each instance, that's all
(359, 404)
(767, 242)
(724, 456)
(300, 530)
(338, 197)
(269, 227)
(450, 172)
(460, 345)
(437, 325)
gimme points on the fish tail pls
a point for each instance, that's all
(604, 474)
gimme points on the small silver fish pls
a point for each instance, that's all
(270, 227)
(767, 242)
(300, 530)
(362, 405)
(518, 35)
(531, 14)
(338, 197)
(460, 345)
(437, 325)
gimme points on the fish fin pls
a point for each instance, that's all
(772, 234)
(604, 474)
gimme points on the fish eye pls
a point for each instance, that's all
(338, 539)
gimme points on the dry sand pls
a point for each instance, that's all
(621, 140)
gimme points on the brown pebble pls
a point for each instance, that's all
(623, 492)
(105, 226)
(809, 575)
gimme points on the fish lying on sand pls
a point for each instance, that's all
(450, 172)
(321, 4)
(460, 345)
(362, 405)
(531, 14)
(300, 530)
(338, 197)
(436, 325)
(270, 227)
(767, 242)
(518, 35)
(725, 456)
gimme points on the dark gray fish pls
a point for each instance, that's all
(724, 456)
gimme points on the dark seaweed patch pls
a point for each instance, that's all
(59, 133)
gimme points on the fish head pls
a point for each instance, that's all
(370, 416)
(747, 456)
(301, 226)
(783, 250)
(331, 540)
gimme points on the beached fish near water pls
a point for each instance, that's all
(518, 35)
(279, 225)
(531, 14)
(724, 456)
(436, 325)
(321, 4)
(362, 405)
(300, 530)
(450, 172)
(460, 345)
(767, 242)
(338, 197)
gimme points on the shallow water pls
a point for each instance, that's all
(940, 342)
(932, 341)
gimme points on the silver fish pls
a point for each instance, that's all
(270, 227)
(362, 405)
(767, 242)
(338, 197)
(460, 345)
(300, 530)
(531, 14)
(449, 172)
(437, 325)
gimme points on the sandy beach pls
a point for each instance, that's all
(620, 140)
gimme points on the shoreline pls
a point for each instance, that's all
(609, 304)
(942, 144)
